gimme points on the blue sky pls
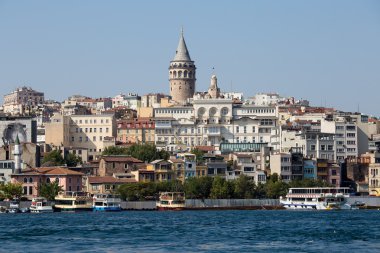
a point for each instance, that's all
(324, 51)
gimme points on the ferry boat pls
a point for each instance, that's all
(73, 201)
(106, 202)
(171, 201)
(41, 205)
(318, 198)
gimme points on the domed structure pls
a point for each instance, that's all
(182, 74)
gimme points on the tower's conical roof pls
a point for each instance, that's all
(17, 141)
(182, 54)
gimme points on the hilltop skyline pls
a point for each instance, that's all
(321, 51)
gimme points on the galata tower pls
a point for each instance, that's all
(182, 74)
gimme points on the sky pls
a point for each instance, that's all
(325, 51)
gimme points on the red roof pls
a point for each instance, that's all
(205, 148)
(127, 159)
(50, 171)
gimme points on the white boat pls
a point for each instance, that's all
(171, 201)
(317, 198)
(41, 205)
(107, 203)
(73, 201)
(14, 206)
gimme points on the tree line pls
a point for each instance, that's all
(216, 188)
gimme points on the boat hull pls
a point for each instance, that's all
(168, 208)
(50, 210)
(72, 209)
(107, 209)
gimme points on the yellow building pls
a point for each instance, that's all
(163, 170)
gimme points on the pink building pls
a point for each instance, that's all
(30, 179)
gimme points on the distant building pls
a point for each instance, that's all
(23, 100)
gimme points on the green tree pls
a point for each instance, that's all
(198, 188)
(11, 191)
(49, 190)
(72, 160)
(53, 158)
(276, 189)
(115, 150)
(219, 188)
(244, 187)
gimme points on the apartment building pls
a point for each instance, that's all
(141, 130)
(92, 132)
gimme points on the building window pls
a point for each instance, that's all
(25, 180)
(30, 190)
(25, 190)
(30, 180)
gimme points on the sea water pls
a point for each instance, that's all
(192, 231)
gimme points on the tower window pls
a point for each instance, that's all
(174, 74)
(179, 74)
(185, 73)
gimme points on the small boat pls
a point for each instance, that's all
(171, 201)
(106, 202)
(14, 206)
(317, 198)
(73, 202)
(41, 205)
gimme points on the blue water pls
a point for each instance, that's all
(192, 231)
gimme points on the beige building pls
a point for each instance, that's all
(136, 131)
(92, 132)
(22, 100)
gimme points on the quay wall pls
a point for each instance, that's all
(209, 204)
(369, 201)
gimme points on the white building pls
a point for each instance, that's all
(212, 119)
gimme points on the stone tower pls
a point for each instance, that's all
(17, 155)
(182, 74)
(213, 90)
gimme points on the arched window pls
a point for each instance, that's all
(174, 74)
(185, 73)
(170, 74)
(25, 180)
(57, 180)
(179, 74)
(190, 74)
(180, 65)
(48, 180)
(30, 180)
